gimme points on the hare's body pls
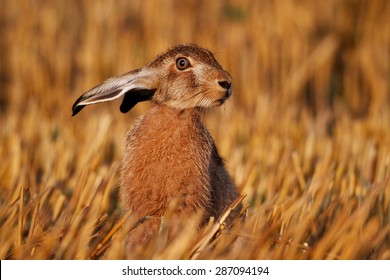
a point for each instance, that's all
(169, 154)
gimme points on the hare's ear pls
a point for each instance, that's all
(136, 86)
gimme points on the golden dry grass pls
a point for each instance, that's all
(306, 135)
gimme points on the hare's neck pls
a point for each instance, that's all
(167, 155)
(163, 120)
(164, 131)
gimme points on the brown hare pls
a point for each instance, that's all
(169, 154)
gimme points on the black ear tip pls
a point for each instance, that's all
(76, 109)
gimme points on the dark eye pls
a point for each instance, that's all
(182, 63)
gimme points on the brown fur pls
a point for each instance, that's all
(169, 154)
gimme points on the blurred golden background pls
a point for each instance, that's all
(306, 134)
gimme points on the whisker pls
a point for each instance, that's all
(193, 96)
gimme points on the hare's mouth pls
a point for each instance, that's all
(226, 96)
(222, 100)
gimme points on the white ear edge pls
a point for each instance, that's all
(113, 97)
(115, 87)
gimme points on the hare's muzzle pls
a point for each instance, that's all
(225, 82)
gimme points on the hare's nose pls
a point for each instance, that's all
(225, 84)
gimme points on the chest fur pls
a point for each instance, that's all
(167, 157)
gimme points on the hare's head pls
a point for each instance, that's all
(186, 76)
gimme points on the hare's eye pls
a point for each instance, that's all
(182, 63)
